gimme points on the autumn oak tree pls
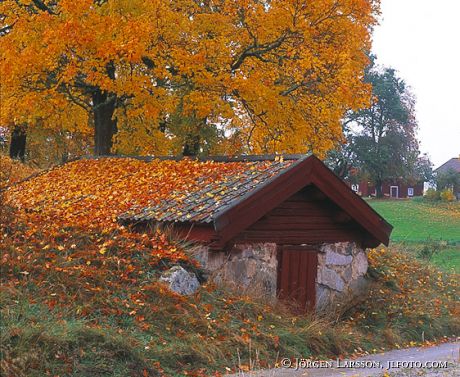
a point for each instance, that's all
(161, 76)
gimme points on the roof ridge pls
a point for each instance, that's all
(453, 159)
(217, 158)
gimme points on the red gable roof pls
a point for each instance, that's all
(234, 202)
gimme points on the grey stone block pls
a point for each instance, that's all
(338, 259)
(180, 281)
(331, 279)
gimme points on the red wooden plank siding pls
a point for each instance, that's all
(355, 206)
(294, 259)
(262, 201)
(195, 232)
(235, 219)
(281, 237)
(303, 276)
(279, 258)
(367, 189)
(301, 219)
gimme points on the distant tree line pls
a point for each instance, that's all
(380, 140)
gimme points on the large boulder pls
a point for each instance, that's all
(180, 280)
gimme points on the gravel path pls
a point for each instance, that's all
(409, 362)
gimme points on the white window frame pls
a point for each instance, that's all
(397, 192)
(410, 191)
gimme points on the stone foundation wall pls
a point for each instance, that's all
(341, 270)
(340, 278)
(247, 266)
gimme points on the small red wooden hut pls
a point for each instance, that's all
(293, 226)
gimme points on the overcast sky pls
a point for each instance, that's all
(421, 40)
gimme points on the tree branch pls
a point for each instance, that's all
(77, 101)
(6, 29)
(42, 6)
(257, 51)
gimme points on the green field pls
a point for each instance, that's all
(418, 223)
(448, 259)
(418, 220)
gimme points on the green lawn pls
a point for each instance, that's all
(417, 220)
(418, 223)
(448, 259)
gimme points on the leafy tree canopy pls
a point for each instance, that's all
(165, 76)
(381, 139)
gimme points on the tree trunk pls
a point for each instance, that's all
(342, 169)
(18, 143)
(378, 188)
(192, 145)
(105, 127)
(193, 137)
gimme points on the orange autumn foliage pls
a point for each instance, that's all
(91, 193)
(407, 297)
(277, 75)
(12, 171)
(67, 217)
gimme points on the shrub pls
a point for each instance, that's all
(428, 249)
(431, 194)
(447, 195)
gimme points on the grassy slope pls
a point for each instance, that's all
(417, 220)
(69, 325)
(418, 223)
(175, 336)
(448, 259)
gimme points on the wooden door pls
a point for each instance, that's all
(297, 269)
